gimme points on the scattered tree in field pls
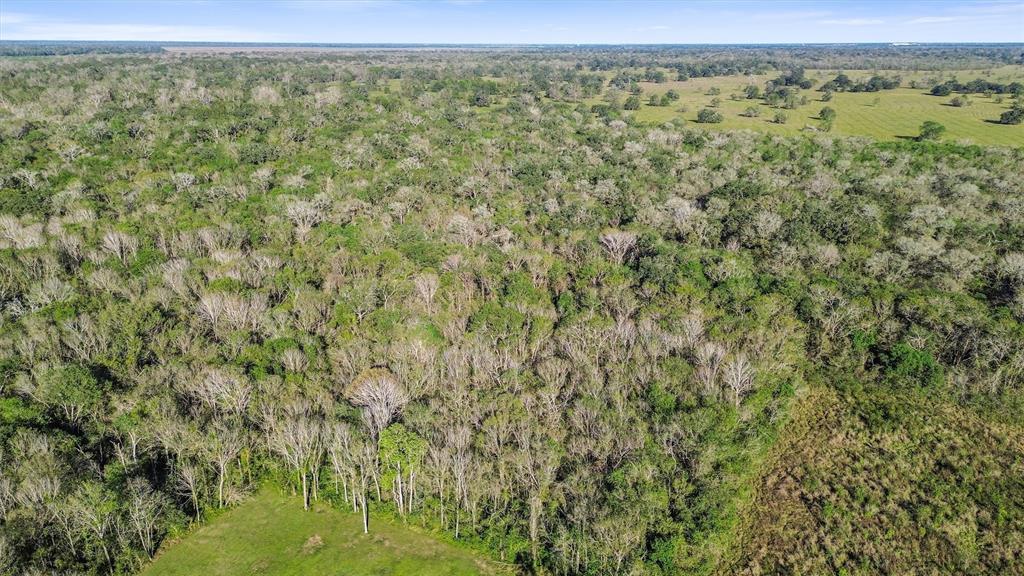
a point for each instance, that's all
(1012, 116)
(827, 118)
(930, 130)
(709, 116)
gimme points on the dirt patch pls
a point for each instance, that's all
(313, 543)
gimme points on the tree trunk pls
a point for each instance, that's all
(366, 516)
(355, 497)
(535, 505)
(316, 484)
(401, 495)
(220, 487)
(305, 492)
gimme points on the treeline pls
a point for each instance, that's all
(566, 341)
(843, 83)
(49, 48)
(978, 86)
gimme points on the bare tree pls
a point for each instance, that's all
(224, 445)
(188, 478)
(298, 437)
(144, 508)
(709, 360)
(120, 245)
(739, 377)
(618, 243)
(381, 397)
(426, 288)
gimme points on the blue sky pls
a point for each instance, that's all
(517, 22)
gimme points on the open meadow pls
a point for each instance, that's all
(883, 115)
(270, 534)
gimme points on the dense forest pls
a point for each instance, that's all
(416, 284)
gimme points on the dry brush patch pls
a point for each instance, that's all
(889, 483)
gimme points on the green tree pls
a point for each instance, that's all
(709, 116)
(1013, 116)
(930, 130)
(401, 452)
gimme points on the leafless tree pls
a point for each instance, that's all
(223, 445)
(188, 478)
(144, 508)
(426, 288)
(618, 243)
(739, 377)
(306, 214)
(120, 245)
(298, 436)
(381, 397)
(709, 357)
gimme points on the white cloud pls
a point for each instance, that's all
(853, 21)
(933, 19)
(14, 18)
(32, 30)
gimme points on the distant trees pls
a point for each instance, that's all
(843, 83)
(978, 86)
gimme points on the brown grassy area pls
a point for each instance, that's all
(888, 483)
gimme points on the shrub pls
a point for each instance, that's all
(709, 116)
(1013, 116)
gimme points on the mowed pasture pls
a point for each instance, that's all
(885, 115)
(270, 534)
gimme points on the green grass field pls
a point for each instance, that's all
(271, 535)
(897, 113)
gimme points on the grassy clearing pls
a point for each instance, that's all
(271, 535)
(896, 114)
(887, 482)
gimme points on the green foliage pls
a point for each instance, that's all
(466, 291)
(930, 130)
(907, 366)
(1013, 116)
(709, 116)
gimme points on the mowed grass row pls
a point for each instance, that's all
(271, 535)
